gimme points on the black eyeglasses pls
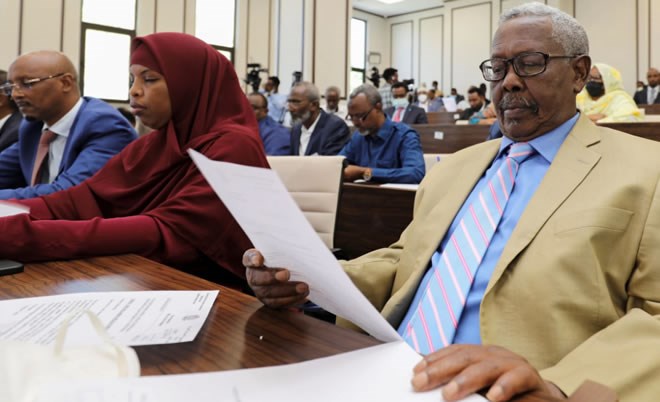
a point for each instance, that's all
(26, 84)
(526, 64)
(360, 118)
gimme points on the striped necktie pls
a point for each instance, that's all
(42, 155)
(433, 324)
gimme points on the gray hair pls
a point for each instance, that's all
(333, 89)
(566, 30)
(371, 92)
(310, 90)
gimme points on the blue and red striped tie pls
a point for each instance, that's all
(433, 324)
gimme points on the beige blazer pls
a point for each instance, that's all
(577, 288)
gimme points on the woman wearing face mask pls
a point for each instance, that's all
(150, 199)
(603, 99)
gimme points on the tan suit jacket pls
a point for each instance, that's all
(577, 288)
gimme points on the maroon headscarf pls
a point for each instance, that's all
(154, 175)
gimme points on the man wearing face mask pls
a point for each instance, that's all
(402, 111)
(381, 150)
(604, 100)
(313, 131)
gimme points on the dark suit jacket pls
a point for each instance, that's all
(467, 113)
(641, 97)
(413, 115)
(9, 130)
(328, 138)
(98, 132)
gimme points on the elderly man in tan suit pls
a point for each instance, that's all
(569, 285)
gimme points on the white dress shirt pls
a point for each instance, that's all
(305, 135)
(56, 149)
(651, 93)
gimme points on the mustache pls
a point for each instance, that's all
(517, 102)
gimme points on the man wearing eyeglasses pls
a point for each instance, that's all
(10, 117)
(64, 138)
(381, 150)
(554, 230)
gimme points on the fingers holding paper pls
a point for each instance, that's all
(466, 369)
(272, 286)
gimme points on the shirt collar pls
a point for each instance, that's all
(548, 144)
(63, 126)
(385, 131)
(313, 126)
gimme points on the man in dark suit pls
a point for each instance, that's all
(403, 111)
(478, 103)
(64, 138)
(649, 94)
(313, 131)
(10, 117)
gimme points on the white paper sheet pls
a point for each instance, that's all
(9, 209)
(131, 318)
(401, 186)
(271, 219)
(378, 373)
(449, 103)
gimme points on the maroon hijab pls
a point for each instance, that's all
(154, 175)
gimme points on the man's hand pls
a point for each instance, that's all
(466, 369)
(272, 285)
(353, 172)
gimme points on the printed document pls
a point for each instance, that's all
(130, 318)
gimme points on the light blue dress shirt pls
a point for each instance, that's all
(529, 177)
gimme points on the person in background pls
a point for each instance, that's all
(478, 104)
(64, 138)
(434, 85)
(402, 111)
(151, 199)
(435, 101)
(604, 100)
(380, 150)
(422, 96)
(333, 104)
(454, 93)
(10, 117)
(276, 138)
(276, 101)
(391, 76)
(531, 264)
(648, 94)
(314, 131)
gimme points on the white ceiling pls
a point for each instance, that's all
(402, 7)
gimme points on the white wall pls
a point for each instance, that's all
(378, 40)
(462, 30)
(609, 44)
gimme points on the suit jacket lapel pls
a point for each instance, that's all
(570, 167)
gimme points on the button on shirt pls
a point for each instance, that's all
(56, 148)
(394, 154)
(306, 135)
(527, 181)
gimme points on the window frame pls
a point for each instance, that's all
(230, 50)
(362, 70)
(84, 27)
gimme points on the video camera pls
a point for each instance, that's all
(297, 77)
(375, 77)
(253, 79)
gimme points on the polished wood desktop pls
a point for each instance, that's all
(449, 138)
(648, 130)
(371, 217)
(442, 117)
(239, 332)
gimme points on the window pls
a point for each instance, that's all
(107, 30)
(214, 24)
(358, 52)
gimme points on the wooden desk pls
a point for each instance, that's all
(441, 117)
(651, 109)
(239, 332)
(371, 217)
(454, 137)
(647, 130)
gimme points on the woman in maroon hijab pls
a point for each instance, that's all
(150, 199)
